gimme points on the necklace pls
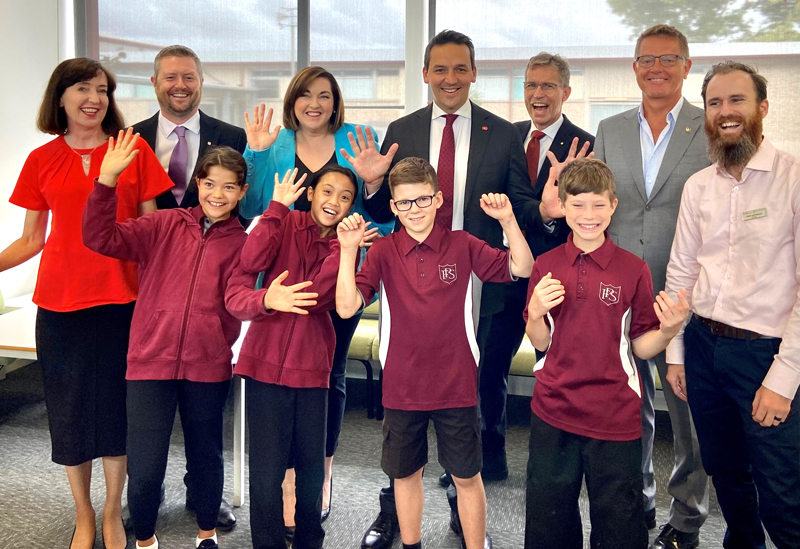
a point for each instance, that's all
(86, 159)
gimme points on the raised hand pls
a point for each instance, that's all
(351, 231)
(368, 163)
(550, 202)
(259, 138)
(369, 238)
(497, 206)
(287, 191)
(671, 314)
(119, 156)
(547, 293)
(289, 299)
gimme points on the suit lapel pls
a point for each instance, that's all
(480, 132)
(209, 134)
(148, 131)
(632, 148)
(686, 126)
(421, 143)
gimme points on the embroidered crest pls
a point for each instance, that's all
(610, 294)
(448, 273)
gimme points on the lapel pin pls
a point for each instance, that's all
(562, 143)
(485, 128)
(209, 143)
(688, 129)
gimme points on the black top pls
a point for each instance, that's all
(302, 204)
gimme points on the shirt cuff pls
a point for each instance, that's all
(550, 226)
(675, 350)
(782, 379)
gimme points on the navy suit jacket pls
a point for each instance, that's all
(496, 165)
(213, 132)
(539, 239)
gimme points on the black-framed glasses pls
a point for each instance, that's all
(666, 60)
(422, 202)
(547, 87)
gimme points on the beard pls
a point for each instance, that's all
(731, 151)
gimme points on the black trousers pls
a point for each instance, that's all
(557, 464)
(754, 469)
(344, 328)
(151, 415)
(281, 420)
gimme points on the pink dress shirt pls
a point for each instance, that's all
(736, 252)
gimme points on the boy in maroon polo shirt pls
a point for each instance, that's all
(427, 346)
(590, 309)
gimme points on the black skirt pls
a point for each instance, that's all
(83, 358)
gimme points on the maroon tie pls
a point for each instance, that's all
(532, 154)
(446, 172)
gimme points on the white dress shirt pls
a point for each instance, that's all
(166, 142)
(462, 126)
(545, 142)
(653, 151)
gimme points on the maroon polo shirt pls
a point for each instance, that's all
(427, 347)
(588, 383)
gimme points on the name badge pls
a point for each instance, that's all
(754, 214)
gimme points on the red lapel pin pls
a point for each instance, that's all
(485, 128)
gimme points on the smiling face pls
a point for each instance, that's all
(450, 74)
(179, 88)
(588, 215)
(219, 193)
(544, 107)
(661, 83)
(315, 106)
(85, 103)
(417, 221)
(331, 201)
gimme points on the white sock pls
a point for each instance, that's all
(198, 541)
(154, 546)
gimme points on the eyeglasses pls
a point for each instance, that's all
(422, 202)
(547, 87)
(668, 60)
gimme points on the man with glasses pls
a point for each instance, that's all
(652, 150)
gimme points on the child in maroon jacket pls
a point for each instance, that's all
(179, 354)
(287, 353)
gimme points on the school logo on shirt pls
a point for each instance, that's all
(448, 273)
(610, 294)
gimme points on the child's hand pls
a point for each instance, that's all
(497, 206)
(550, 201)
(547, 293)
(351, 231)
(671, 314)
(289, 299)
(259, 138)
(369, 238)
(287, 191)
(118, 157)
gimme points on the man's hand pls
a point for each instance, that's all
(547, 293)
(550, 206)
(118, 157)
(350, 231)
(368, 163)
(671, 314)
(497, 206)
(289, 299)
(259, 138)
(769, 408)
(676, 377)
(287, 191)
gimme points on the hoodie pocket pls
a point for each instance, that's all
(161, 337)
(205, 341)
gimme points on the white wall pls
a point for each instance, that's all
(29, 50)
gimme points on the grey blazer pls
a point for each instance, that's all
(640, 225)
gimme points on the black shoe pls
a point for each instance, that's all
(381, 532)
(455, 520)
(670, 538)
(288, 536)
(327, 512)
(650, 518)
(445, 480)
(226, 520)
(208, 544)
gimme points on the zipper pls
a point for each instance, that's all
(195, 270)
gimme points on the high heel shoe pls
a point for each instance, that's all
(327, 512)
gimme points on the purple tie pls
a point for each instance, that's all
(177, 164)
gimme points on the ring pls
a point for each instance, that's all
(779, 418)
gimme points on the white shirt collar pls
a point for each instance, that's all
(672, 115)
(166, 127)
(465, 111)
(551, 130)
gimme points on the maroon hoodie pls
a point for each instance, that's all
(181, 328)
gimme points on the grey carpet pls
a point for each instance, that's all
(36, 505)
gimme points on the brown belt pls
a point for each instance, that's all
(723, 330)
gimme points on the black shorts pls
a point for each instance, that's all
(458, 437)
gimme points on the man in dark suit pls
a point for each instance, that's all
(486, 155)
(178, 81)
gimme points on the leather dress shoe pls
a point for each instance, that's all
(381, 532)
(288, 536)
(226, 520)
(445, 480)
(208, 544)
(650, 518)
(455, 520)
(670, 538)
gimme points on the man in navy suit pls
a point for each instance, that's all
(178, 81)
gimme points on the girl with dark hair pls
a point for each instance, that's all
(85, 300)
(181, 335)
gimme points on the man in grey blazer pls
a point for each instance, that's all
(652, 150)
